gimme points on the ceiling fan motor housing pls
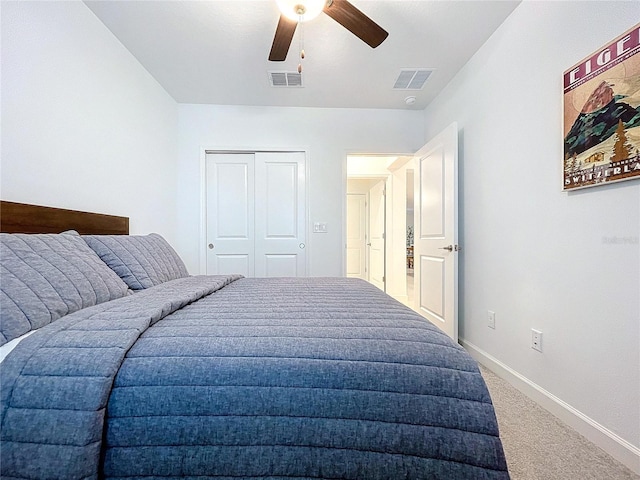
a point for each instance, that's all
(301, 10)
(342, 11)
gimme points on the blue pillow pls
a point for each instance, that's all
(141, 261)
(46, 276)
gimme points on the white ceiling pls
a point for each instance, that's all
(216, 51)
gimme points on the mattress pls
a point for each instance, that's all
(228, 377)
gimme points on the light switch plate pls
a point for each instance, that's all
(319, 227)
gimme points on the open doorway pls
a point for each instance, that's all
(376, 222)
(366, 256)
(434, 283)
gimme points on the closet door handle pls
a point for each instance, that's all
(211, 246)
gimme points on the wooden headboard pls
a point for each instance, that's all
(25, 218)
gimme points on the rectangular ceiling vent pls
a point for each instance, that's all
(412, 79)
(285, 79)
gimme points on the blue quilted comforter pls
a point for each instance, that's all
(226, 378)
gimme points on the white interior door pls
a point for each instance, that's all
(356, 235)
(376, 244)
(230, 214)
(280, 220)
(436, 231)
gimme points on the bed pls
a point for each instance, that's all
(127, 367)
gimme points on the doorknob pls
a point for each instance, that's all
(451, 248)
(211, 246)
(302, 245)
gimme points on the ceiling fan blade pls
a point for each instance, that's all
(356, 22)
(282, 39)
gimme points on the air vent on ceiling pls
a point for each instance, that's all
(285, 79)
(412, 79)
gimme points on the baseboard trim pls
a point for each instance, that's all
(614, 445)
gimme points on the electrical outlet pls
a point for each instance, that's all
(491, 317)
(536, 339)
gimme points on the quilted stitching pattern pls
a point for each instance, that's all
(141, 261)
(56, 383)
(45, 277)
(264, 379)
(300, 378)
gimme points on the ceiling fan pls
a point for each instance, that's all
(342, 11)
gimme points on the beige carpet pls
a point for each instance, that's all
(538, 446)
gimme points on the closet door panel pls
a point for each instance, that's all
(256, 214)
(280, 214)
(230, 214)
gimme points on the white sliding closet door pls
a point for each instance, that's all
(256, 214)
(280, 240)
(230, 214)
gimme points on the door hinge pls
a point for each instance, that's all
(383, 236)
(384, 279)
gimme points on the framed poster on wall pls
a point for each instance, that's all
(602, 115)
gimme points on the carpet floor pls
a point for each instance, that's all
(539, 446)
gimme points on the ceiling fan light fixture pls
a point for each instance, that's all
(301, 10)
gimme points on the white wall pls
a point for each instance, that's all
(326, 134)
(536, 256)
(360, 185)
(84, 125)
